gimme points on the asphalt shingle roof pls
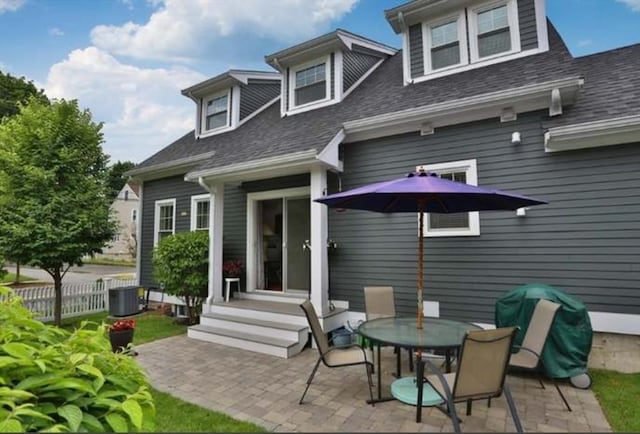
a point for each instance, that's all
(612, 86)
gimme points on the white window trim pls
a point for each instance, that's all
(203, 115)
(514, 28)
(156, 217)
(462, 41)
(292, 86)
(470, 167)
(194, 207)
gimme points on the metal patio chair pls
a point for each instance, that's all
(335, 357)
(529, 355)
(379, 302)
(482, 368)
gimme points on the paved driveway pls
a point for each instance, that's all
(265, 390)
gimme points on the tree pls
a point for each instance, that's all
(180, 263)
(116, 181)
(54, 206)
(15, 91)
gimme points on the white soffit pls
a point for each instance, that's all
(607, 132)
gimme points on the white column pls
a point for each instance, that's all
(319, 235)
(216, 217)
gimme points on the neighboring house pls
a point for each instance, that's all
(484, 92)
(125, 208)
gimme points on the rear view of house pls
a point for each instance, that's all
(482, 92)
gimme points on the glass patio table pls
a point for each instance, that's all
(436, 334)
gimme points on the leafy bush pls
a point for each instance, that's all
(181, 264)
(55, 380)
(3, 272)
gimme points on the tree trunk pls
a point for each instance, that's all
(17, 271)
(57, 285)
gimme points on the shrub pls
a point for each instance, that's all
(181, 264)
(55, 380)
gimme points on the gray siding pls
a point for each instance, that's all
(527, 22)
(355, 65)
(585, 241)
(169, 188)
(416, 52)
(255, 95)
(332, 68)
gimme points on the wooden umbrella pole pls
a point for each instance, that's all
(421, 206)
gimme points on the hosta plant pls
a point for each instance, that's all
(55, 380)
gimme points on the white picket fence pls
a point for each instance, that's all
(77, 298)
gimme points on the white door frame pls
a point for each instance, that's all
(252, 208)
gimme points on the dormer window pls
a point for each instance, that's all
(494, 30)
(216, 112)
(309, 83)
(445, 42)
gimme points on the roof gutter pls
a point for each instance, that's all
(478, 107)
(167, 168)
(606, 132)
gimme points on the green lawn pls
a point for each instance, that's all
(107, 261)
(150, 326)
(11, 278)
(619, 396)
(175, 415)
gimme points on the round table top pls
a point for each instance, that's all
(403, 332)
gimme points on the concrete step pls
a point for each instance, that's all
(247, 341)
(282, 330)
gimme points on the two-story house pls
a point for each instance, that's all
(484, 92)
(125, 208)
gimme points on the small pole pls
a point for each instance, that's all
(421, 206)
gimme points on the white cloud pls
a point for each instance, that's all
(633, 4)
(184, 30)
(54, 31)
(142, 109)
(10, 5)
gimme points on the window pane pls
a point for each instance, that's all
(494, 43)
(217, 105)
(312, 75)
(217, 120)
(455, 220)
(445, 56)
(444, 34)
(202, 214)
(493, 19)
(311, 93)
(165, 222)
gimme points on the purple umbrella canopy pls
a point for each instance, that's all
(421, 192)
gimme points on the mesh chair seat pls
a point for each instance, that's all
(437, 385)
(348, 356)
(524, 359)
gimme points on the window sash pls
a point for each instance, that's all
(494, 42)
(453, 220)
(216, 112)
(312, 75)
(311, 93)
(165, 220)
(202, 215)
(444, 34)
(493, 19)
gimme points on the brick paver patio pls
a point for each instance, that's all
(265, 390)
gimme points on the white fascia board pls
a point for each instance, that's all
(349, 40)
(168, 168)
(608, 322)
(484, 106)
(330, 154)
(244, 77)
(297, 162)
(606, 132)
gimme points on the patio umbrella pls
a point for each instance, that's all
(421, 192)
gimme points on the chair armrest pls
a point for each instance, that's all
(520, 347)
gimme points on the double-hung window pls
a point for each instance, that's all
(446, 43)
(216, 112)
(455, 224)
(494, 30)
(310, 83)
(165, 219)
(200, 212)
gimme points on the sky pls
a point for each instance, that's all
(127, 60)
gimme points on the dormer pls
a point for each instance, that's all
(228, 100)
(446, 37)
(324, 70)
